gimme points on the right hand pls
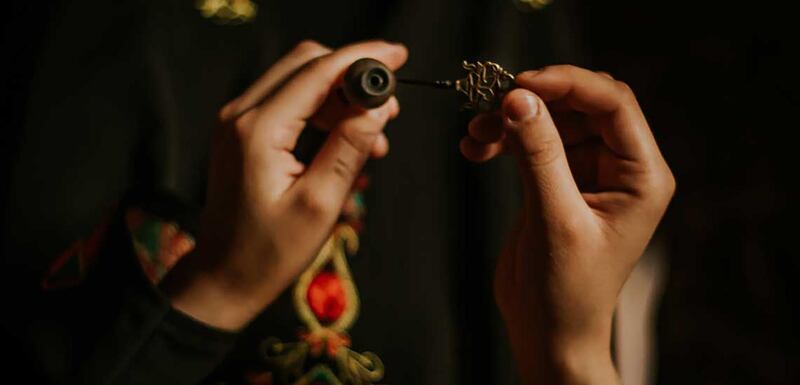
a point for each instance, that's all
(267, 214)
(595, 186)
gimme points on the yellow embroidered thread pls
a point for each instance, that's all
(228, 11)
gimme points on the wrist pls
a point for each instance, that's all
(549, 356)
(584, 362)
(209, 286)
(204, 296)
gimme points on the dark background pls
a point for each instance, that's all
(717, 81)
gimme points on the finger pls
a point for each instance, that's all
(380, 148)
(626, 133)
(486, 128)
(330, 176)
(306, 91)
(477, 151)
(551, 189)
(605, 74)
(336, 108)
(581, 89)
(301, 54)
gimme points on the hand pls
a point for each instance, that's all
(595, 187)
(267, 214)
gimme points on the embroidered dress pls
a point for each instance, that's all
(325, 296)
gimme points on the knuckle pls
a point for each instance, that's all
(379, 116)
(571, 68)
(242, 124)
(228, 111)
(670, 181)
(605, 74)
(530, 73)
(343, 169)
(545, 153)
(570, 229)
(314, 203)
(563, 69)
(669, 185)
(315, 64)
(651, 185)
(624, 90)
(661, 185)
(360, 139)
(309, 48)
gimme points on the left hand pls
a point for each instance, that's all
(267, 214)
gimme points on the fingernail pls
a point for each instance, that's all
(520, 108)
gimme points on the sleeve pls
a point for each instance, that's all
(116, 327)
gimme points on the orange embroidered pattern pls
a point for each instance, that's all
(158, 245)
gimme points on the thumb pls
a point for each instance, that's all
(550, 190)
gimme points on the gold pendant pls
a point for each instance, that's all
(485, 85)
(228, 11)
(532, 5)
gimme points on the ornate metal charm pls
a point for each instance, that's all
(485, 84)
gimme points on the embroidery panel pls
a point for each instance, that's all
(325, 296)
(326, 301)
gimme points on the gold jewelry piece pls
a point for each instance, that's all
(532, 5)
(228, 11)
(484, 85)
